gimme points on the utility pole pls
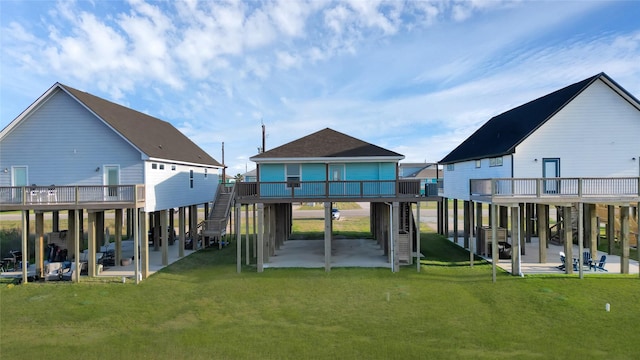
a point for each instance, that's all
(224, 167)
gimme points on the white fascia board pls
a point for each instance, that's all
(186, 163)
(327, 160)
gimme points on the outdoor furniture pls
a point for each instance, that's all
(586, 258)
(52, 271)
(66, 273)
(599, 265)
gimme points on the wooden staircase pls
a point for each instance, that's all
(215, 226)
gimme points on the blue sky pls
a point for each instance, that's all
(415, 77)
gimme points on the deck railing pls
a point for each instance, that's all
(71, 195)
(556, 187)
(364, 189)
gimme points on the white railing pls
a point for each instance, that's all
(556, 187)
(59, 195)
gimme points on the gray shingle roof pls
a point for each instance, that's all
(154, 137)
(327, 143)
(502, 133)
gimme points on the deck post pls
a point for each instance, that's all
(455, 221)
(515, 241)
(74, 226)
(163, 237)
(479, 249)
(247, 242)
(136, 242)
(260, 244)
(395, 232)
(594, 231)
(543, 230)
(238, 238)
(568, 239)
(624, 239)
(418, 242)
(580, 239)
(327, 236)
(467, 223)
(445, 217)
(181, 231)
(91, 221)
(141, 229)
(494, 241)
(521, 229)
(118, 236)
(611, 227)
(39, 244)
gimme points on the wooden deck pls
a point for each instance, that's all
(619, 191)
(71, 197)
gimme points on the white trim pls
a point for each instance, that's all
(328, 160)
(185, 163)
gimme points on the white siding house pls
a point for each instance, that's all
(587, 129)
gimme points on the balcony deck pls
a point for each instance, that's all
(335, 191)
(556, 190)
(49, 198)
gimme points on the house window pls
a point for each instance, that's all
(292, 175)
(478, 163)
(161, 166)
(495, 161)
(191, 179)
(205, 173)
(450, 167)
(154, 166)
(173, 168)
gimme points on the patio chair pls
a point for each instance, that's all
(563, 259)
(599, 265)
(586, 258)
(66, 274)
(52, 271)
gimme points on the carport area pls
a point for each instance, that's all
(344, 253)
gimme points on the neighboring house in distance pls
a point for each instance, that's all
(74, 151)
(428, 174)
(549, 152)
(328, 166)
(250, 176)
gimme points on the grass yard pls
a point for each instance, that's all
(200, 308)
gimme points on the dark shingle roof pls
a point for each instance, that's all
(327, 143)
(154, 137)
(502, 133)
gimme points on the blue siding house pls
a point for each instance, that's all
(330, 167)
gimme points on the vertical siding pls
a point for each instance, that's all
(456, 182)
(596, 135)
(63, 144)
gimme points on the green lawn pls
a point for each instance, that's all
(200, 308)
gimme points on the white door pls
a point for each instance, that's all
(551, 169)
(19, 177)
(112, 180)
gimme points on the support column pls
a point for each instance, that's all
(494, 240)
(515, 241)
(327, 236)
(543, 230)
(580, 239)
(418, 242)
(445, 217)
(594, 231)
(55, 221)
(395, 231)
(74, 229)
(467, 223)
(247, 242)
(25, 250)
(260, 243)
(624, 239)
(238, 239)
(568, 239)
(611, 228)
(141, 229)
(136, 242)
(118, 235)
(479, 249)
(255, 231)
(455, 221)
(91, 232)
(163, 237)
(181, 231)
(521, 227)
(439, 219)
(39, 244)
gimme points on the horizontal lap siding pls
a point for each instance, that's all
(63, 144)
(596, 135)
(456, 182)
(167, 188)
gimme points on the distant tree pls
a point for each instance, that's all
(239, 177)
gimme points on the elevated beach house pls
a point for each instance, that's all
(571, 149)
(75, 152)
(329, 167)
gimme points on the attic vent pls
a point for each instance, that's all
(199, 157)
(160, 146)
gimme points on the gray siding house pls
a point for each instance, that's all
(73, 151)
